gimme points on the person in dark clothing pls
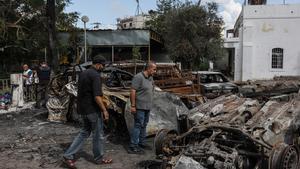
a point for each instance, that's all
(43, 74)
(92, 110)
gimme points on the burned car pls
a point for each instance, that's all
(230, 132)
(116, 86)
(214, 84)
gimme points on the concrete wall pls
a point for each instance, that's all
(266, 27)
(133, 22)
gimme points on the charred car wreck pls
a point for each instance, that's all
(230, 132)
(61, 105)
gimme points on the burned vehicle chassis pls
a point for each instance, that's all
(224, 147)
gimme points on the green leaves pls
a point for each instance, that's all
(192, 32)
(24, 28)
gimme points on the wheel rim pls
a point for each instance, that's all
(291, 158)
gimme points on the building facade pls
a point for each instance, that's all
(266, 42)
(133, 22)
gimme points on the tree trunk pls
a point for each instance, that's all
(53, 58)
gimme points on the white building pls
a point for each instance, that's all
(133, 22)
(266, 42)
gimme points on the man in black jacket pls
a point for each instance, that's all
(90, 105)
(43, 74)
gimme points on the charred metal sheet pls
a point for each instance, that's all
(237, 133)
(58, 101)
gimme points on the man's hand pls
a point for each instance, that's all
(133, 110)
(105, 115)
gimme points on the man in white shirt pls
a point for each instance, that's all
(27, 80)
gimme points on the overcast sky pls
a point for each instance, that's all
(107, 11)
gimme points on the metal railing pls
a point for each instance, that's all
(5, 85)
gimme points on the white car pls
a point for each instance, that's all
(214, 84)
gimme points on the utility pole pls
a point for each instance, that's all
(85, 19)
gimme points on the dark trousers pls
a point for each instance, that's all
(41, 94)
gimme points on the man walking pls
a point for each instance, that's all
(141, 96)
(90, 105)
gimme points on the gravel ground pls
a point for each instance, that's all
(29, 141)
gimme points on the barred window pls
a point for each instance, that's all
(277, 58)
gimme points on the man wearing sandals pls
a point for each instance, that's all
(141, 97)
(90, 105)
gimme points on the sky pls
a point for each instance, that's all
(107, 11)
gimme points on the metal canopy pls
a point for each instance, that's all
(111, 37)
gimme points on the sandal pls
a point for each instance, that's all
(104, 161)
(70, 163)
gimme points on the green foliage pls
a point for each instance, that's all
(24, 29)
(192, 32)
(136, 53)
(204, 65)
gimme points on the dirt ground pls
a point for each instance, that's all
(29, 141)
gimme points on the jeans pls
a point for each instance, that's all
(138, 135)
(91, 123)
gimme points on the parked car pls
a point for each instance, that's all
(214, 84)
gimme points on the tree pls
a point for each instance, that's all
(52, 33)
(159, 16)
(192, 32)
(136, 55)
(24, 27)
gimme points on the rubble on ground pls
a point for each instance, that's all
(29, 141)
(236, 132)
(264, 89)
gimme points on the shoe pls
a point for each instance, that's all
(70, 163)
(104, 161)
(145, 146)
(135, 150)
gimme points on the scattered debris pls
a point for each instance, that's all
(264, 89)
(239, 133)
(5, 100)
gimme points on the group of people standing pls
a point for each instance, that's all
(35, 81)
(93, 112)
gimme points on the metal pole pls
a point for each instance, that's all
(149, 52)
(85, 59)
(45, 55)
(85, 19)
(112, 54)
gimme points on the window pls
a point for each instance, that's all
(130, 24)
(124, 25)
(277, 58)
